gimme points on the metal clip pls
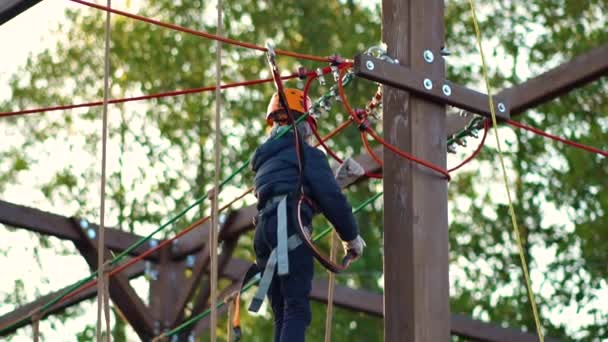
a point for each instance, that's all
(320, 76)
(335, 71)
(270, 48)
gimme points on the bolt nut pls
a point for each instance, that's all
(84, 224)
(447, 90)
(369, 65)
(190, 260)
(428, 84)
(501, 107)
(91, 234)
(428, 56)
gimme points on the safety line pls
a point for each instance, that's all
(256, 280)
(486, 125)
(146, 97)
(89, 281)
(215, 226)
(505, 179)
(369, 150)
(203, 34)
(557, 138)
(103, 299)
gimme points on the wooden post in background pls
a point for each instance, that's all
(416, 283)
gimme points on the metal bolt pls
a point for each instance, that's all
(84, 224)
(445, 52)
(428, 56)
(428, 84)
(190, 259)
(91, 233)
(501, 107)
(447, 90)
(369, 65)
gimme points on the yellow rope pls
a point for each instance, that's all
(103, 300)
(522, 257)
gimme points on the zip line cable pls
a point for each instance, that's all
(522, 256)
(174, 93)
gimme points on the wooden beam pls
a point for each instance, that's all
(22, 311)
(555, 82)
(407, 79)
(416, 284)
(12, 8)
(558, 81)
(121, 292)
(62, 227)
(372, 303)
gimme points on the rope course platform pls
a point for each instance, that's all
(428, 89)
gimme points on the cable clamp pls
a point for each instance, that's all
(302, 73)
(321, 76)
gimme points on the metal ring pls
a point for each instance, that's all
(447, 90)
(428, 56)
(428, 84)
(501, 107)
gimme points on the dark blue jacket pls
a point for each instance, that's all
(276, 173)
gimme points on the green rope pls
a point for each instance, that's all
(256, 280)
(326, 97)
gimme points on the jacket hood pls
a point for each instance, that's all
(270, 148)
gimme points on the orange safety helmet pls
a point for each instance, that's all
(295, 101)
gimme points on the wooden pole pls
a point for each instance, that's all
(416, 284)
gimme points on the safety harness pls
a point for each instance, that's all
(278, 260)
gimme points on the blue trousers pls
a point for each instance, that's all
(288, 294)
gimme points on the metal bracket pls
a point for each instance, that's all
(445, 92)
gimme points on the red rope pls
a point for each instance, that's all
(382, 141)
(370, 151)
(486, 125)
(321, 141)
(560, 139)
(145, 97)
(201, 33)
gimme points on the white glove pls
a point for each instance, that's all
(348, 169)
(354, 247)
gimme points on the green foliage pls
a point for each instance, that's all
(161, 150)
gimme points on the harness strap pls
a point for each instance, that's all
(293, 242)
(282, 255)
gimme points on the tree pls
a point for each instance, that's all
(160, 155)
